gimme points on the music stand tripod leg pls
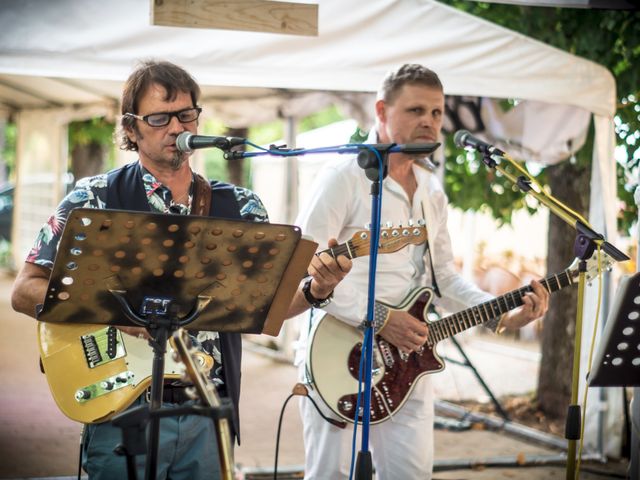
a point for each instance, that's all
(485, 387)
(159, 316)
(160, 326)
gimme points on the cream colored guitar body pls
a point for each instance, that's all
(95, 371)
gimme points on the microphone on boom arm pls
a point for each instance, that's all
(463, 138)
(187, 142)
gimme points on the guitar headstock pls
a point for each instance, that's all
(593, 269)
(197, 366)
(392, 239)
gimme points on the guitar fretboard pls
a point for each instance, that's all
(471, 317)
(348, 249)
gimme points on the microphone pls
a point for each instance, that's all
(187, 142)
(463, 139)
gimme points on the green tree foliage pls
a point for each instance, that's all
(94, 136)
(9, 148)
(608, 37)
(95, 130)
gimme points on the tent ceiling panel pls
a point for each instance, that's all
(358, 43)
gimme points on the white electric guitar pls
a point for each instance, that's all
(335, 348)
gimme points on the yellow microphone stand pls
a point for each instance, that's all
(585, 244)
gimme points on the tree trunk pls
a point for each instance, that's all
(569, 183)
(236, 167)
(87, 160)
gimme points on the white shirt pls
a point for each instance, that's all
(340, 205)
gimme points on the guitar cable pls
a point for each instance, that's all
(301, 390)
(80, 451)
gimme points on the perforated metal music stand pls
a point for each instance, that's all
(163, 272)
(248, 272)
(617, 359)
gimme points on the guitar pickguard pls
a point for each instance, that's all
(391, 388)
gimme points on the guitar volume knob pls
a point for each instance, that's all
(346, 405)
(82, 395)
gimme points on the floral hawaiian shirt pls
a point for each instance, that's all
(91, 192)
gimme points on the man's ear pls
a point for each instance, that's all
(131, 135)
(381, 111)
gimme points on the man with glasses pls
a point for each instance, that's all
(160, 101)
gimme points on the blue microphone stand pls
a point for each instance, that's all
(374, 160)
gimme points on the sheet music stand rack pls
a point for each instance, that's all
(163, 272)
(617, 360)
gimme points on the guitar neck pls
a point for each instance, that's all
(471, 317)
(348, 249)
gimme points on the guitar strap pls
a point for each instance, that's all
(434, 281)
(201, 204)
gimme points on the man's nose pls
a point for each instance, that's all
(175, 125)
(426, 120)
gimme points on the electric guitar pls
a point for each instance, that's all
(206, 391)
(335, 348)
(95, 372)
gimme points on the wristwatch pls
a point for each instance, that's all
(313, 301)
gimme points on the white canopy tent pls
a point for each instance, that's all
(67, 59)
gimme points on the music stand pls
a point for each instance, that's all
(163, 272)
(617, 359)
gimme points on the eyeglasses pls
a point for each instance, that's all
(162, 119)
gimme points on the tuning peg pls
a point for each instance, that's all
(410, 222)
(367, 226)
(389, 224)
(420, 222)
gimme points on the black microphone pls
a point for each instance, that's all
(187, 142)
(463, 138)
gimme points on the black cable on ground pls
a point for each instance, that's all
(300, 390)
(275, 463)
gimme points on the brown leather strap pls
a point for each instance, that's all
(201, 196)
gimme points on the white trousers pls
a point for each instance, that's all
(401, 447)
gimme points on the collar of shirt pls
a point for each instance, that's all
(160, 198)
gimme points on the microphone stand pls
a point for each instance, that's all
(587, 240)
(374, 160)
(375, 163)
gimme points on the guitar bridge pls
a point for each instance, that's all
(102, 346)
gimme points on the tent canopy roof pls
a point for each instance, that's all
(67, 53)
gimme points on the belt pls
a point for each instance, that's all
(170, 394)
(174, 394)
